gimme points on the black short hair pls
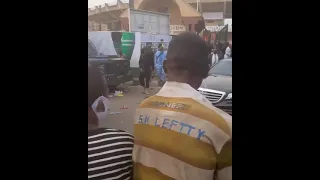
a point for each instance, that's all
(188, 51)
(96, 84)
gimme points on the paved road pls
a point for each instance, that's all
(133, 95)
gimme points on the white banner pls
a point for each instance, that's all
(155, 38)
(214, 28)
(229, 22)
(177, 29)
(212, 15)
(218, 28)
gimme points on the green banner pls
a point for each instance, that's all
(127, 43)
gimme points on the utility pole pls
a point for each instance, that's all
(224, 10)
(225, 27)
(198, 5)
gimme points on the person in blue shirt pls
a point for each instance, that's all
(159, 58)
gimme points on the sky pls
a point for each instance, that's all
(93, 3)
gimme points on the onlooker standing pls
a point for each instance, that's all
(146, 64)
(215, 57)
(178, 133)
(227, 53)
(220, 50)
(210, 49)
(220, 54)
(109, 150)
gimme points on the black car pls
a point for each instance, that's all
(217, 87)
(116, 69)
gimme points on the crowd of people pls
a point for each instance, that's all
(219, 51)
(178, 133)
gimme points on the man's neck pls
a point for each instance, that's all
(178, 80)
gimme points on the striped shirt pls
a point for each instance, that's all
(180, 135)
(109, 154)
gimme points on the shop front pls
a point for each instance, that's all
(177, 29)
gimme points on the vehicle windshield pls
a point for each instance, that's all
(223, 67)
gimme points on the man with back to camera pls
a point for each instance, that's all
(109, 150)
(178, 133)
(146, 64)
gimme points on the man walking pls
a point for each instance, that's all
(146, 64)
(159, 57)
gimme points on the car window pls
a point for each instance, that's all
(223, 67)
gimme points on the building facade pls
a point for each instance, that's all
(184, 14)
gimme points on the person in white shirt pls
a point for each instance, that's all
(215, 57)
(228, 51)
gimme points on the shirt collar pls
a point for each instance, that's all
(173, 84)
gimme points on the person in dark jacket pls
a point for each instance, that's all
(146, 64)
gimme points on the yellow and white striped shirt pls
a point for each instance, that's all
(180, 135)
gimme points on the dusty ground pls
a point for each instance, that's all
(133, 95)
